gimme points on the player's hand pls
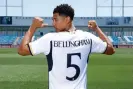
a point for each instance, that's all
(38, 22)
(92, 25)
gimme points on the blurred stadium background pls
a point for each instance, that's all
(115, 17)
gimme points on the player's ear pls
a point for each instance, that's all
(68, 19)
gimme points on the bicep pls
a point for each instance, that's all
(98, 46)
(42, 45)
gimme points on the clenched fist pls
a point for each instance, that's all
(92, 25)
(38, 22)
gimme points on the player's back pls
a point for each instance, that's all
(67, 60)
(67, 54)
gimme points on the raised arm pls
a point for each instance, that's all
(110, 49)
(23, 48)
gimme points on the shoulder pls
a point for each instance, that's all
(85, 33)
(48, 35)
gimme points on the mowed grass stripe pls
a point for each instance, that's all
(30, 72)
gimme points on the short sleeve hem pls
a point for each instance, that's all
(105, 47)
(30, 49)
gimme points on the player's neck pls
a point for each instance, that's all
(70, 28)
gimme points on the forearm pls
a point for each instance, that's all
(28, 36)
(23, 48)
(109, 48)
(102, 36)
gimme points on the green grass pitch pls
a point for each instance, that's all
(30, 72)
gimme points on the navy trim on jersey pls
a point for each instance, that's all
(106, 48)
(49, 58)
(29, 49)
(50, 61)
(90, 50)
(90, 46)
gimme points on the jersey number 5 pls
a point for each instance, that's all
(69, 58)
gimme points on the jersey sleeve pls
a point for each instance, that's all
(97, 45)
(41, 45)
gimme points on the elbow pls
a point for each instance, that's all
(110, 50)
(21, 51)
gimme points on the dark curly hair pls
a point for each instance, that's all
(64, 9)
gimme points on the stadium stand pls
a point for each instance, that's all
(20, 39)
(110, 38)
(115, 40)
(7, 39)
(119, 34)
(129, 39)
(121, 40)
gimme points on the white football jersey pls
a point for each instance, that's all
(67, 54)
